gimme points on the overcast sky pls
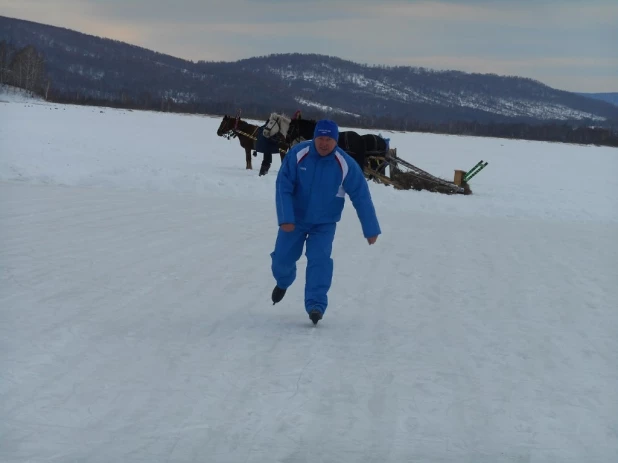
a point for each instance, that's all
(567, 44)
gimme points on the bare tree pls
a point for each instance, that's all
(47, 87)
(28, 69)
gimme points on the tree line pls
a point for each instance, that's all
(25, 68)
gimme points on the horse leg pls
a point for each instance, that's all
(248, 158)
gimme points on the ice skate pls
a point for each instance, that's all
(278, 294)
(315, 315)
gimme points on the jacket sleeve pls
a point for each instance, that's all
(284, 188)
(357, 189)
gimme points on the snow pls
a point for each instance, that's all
(306, 102)
(86, 71)
(137, 323)
(10, 94)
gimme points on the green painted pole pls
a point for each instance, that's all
(467, 178)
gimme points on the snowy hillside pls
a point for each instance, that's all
(87, 66)
(408, 89)
(10, 94)
(137, 323)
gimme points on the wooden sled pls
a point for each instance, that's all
(404, 176)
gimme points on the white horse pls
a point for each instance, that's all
(279, 123)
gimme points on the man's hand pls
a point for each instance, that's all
(287, 227)
(372, 239)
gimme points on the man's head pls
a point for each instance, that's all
(325, 136)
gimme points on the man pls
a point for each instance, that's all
(310, 193)
(268, 146)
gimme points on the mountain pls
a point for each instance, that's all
(611, 97)
(85, 67)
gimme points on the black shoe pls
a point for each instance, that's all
(264, 170)
(315, 315)
(278, 294)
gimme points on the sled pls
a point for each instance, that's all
(405, 176)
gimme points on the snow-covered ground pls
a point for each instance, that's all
(136, 322)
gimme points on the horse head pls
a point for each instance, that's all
(299, 130)
(277, 123)
(227, 124)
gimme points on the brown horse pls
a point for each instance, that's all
(248, 135)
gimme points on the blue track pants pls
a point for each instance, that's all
(288, 249)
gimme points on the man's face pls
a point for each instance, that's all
(325, 145)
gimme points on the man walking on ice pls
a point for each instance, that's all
(310, 194)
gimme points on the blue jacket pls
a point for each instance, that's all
(311, 189)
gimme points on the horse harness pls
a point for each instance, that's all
(235, 131)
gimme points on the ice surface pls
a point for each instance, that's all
(136, 322)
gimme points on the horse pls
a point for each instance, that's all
(375, 146)
(296, 130)
(277, 124)
(248, 136)
(229, 127)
